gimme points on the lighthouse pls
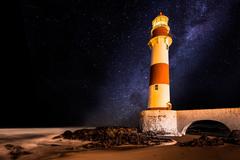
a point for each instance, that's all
(159, 89)
(158, 117)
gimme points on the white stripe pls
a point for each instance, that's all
(159, 98)
(159, 51)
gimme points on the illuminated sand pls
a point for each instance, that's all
(42, 146)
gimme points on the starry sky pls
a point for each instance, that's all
(87, 62)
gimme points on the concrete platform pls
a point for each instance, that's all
(162, 121)
(175, 123)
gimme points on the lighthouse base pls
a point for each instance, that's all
(159, 121)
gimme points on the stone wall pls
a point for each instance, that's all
(228, 116)
(175, 123)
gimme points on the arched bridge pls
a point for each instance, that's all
(228, 116)
(172, 122)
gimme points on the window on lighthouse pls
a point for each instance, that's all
(156, 87)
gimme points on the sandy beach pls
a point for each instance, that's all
(40, 145)
(227, 152)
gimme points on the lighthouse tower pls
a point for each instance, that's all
(159, 90)
(159, 117)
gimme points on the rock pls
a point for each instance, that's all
(203, 141)
(15, 150)
(108, 137)
(67, 134)
(234, 137)
(9, 146)
(235, 134)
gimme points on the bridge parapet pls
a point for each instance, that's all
(175, 123)
(228, 116)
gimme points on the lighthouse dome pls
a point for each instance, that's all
(160, 21)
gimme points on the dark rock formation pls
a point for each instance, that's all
(16, 151)
(234, 137)
(203, 141)
(108, 137)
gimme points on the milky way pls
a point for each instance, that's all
(88, 62)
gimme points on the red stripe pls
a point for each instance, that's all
(160, 31)
(159, 74)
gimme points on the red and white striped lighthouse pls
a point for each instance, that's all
(159, 90)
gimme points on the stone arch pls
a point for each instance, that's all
(184, 129)
(230, 117)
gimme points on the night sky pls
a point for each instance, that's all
(86, 62)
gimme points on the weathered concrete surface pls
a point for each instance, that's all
(228, 116)
(175, 123)
(163, 121)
